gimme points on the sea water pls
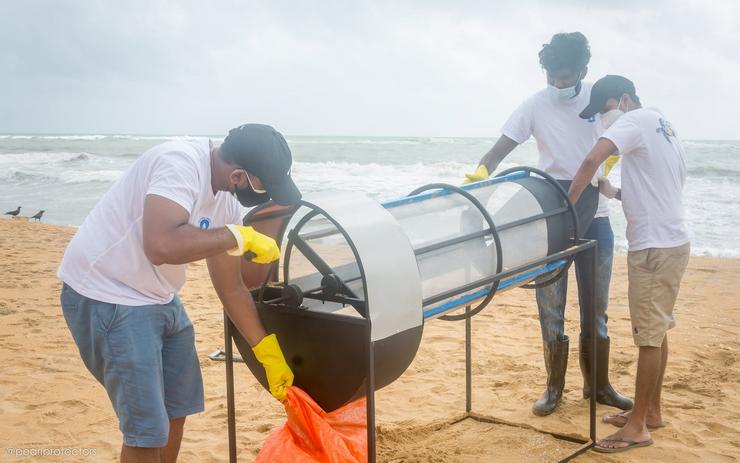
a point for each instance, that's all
(66, 174)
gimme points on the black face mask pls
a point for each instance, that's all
(249, 198)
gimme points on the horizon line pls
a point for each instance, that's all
(164, 135)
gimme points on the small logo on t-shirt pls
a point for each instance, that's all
(666, 129)
(204, 223)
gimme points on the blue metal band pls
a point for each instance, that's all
(438, 193)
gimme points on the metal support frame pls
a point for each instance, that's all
(230, 407)
(582, 246)
(579, 247)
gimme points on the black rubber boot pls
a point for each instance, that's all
(605, 393)
(556, 361)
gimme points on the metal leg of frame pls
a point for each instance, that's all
(595, 277)
(468, 362)
(231, 410)
(592, 401)
(370, 395)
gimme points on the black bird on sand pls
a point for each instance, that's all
(15, 212)
(38, 215)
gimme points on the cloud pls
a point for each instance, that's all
(337, 67)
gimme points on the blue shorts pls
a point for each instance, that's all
(144, 357)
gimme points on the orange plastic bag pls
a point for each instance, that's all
(311, 435)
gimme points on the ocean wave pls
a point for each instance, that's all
(309, 141)
(711, 171)
(55, 137)
(79, 157)
(385, 141)
(157, 137)
(42, 158)
(20, 177)
(98, 176)
(707, 143)
(73, 137)
(100, 137)
(328, 170)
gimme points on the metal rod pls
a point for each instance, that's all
(357, 304)
(468, 363)
(582, 449)
(316, 260)
(592, 404)
(504, 285)
(559, 188)
(451, 242)
(499, 276)
(493, 420)
(329, 231)
(370, 395)
(534, 218)
(481, 233)
(230, 408)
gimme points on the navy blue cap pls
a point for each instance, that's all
(611, 86)
(263, 151)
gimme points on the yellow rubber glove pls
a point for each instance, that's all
(480, 174)
(248, 240)
(610, 162)
(278, 372)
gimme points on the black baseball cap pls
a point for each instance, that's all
(611, 86)
(262, 151)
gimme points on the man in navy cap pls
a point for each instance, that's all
(123, 268)
(653, 176)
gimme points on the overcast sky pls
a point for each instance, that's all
(426, 68)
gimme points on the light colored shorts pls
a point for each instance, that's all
(144, 357)
(654, 278)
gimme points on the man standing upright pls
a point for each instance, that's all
(653, 175)
(563, 140)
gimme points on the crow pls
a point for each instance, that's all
(15, 212)
(37, 216)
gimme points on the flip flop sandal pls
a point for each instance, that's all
(630, 445)
(220, 356)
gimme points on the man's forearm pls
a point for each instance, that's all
(240, 307)
(189, 244)
(492, 159)
(602, 150)
(503, 146)
(582, 179)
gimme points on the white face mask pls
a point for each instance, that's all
(611, 116)
(564, 94)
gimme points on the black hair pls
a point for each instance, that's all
(566, 50)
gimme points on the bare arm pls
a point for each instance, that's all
(170, 239)
(602, 150)
(236, 298)
(503, 146)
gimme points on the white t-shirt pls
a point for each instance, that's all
(105, 260)
(653, 176)
(563, 138)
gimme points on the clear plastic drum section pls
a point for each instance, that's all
(445, 218)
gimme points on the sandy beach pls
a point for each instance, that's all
(49, 400)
